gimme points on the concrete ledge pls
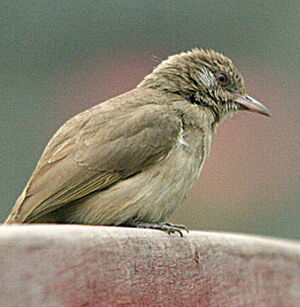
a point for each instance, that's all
(72, 265)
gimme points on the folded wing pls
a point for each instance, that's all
(93, 151)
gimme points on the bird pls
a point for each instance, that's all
(131, 160)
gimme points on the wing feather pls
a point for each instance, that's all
(94, 150)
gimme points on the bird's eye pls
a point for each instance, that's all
(222, 78)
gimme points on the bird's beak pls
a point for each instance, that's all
(251, 104)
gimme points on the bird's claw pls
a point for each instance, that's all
(181, 227)
(164, 226)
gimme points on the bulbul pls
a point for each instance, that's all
(131, 160)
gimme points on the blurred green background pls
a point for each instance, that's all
(61, 57)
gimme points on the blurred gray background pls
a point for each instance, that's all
(61, 57)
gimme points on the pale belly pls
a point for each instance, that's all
(150, 196)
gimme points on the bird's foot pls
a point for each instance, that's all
(164, 226)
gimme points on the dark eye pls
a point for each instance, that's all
(222, 78)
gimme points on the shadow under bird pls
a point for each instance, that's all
(132, 159)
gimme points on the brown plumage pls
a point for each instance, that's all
(132, 159)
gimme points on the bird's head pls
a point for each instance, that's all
(207, 78)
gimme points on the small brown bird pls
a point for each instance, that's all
(132, 160)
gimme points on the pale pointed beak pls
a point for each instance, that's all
(251, 104)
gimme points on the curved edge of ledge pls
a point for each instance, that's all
(74, 265)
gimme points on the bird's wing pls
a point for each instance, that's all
(94, 150)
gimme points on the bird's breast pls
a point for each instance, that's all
(169, 181)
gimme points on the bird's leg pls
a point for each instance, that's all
(164, 226)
